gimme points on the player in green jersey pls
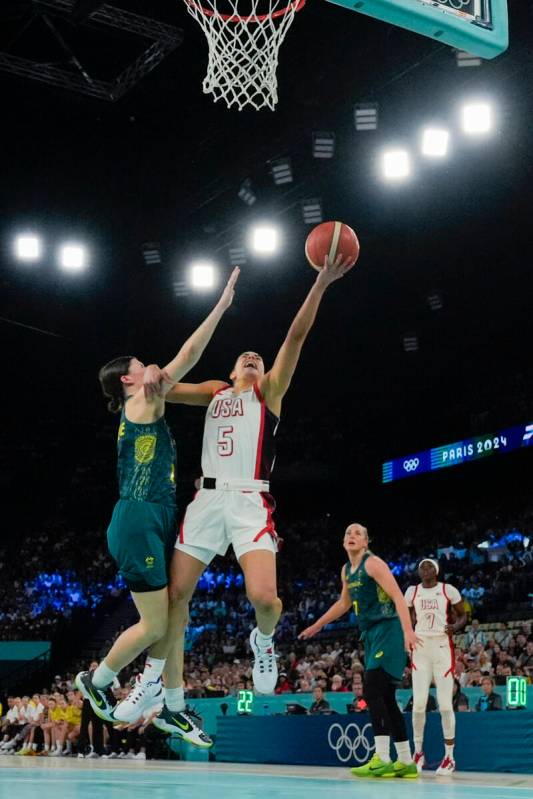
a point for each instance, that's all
(142, 532)
(369, 587)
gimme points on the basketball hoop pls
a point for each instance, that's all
(243, 49)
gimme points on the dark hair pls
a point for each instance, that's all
(109, 377)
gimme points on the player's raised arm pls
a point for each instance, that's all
(338, 609)
(190, 353)
(275, 383)
(380, 572)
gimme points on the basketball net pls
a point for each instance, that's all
(243, 50)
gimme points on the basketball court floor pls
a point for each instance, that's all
(72, 779)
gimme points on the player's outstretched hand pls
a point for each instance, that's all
(229, 292)
(309, 632)
(411, 641)
(153, 381)
(333, 270)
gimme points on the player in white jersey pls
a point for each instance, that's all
(233, 505)
(437, 612)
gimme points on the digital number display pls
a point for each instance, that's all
(470, 449)
(516, 692)
(245, 702)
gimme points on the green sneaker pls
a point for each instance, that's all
(375, 767)
(408, 771)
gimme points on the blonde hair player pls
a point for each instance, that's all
(233, 505)
(369, 586)
(437, 612)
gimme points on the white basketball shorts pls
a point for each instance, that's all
(215, 519)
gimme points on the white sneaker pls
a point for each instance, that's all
(143, 695)
(419, 760)
(140, 756)
(110, 756)
(265, 671)
(81, 756)
(91, 755)
(122, 756)
(130, 756)
(447, 766)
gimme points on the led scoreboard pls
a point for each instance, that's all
(459, 452)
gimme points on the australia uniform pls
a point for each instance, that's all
(142, 531)
(378, 622)
(435, 660)
(233, 505)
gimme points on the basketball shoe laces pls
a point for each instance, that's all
(139, 691)
(266, 659)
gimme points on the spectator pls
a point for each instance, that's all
(503, 636)
(337, 685)
(489, 699)
(430, 705)
(359, 702)
(460, 700)
(525, 661)
(475, 635)
(320, 705)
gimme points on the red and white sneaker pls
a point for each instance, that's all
(265, 670)
(447, 766)
(419, 759)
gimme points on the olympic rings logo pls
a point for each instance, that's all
(411, 465)
(350, 743)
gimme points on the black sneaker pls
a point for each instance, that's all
(184, 724)
(102, 700)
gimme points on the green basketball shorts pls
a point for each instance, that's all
(141, 538)
(384, 648)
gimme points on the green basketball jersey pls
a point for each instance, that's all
(370, 602)
(146, 462)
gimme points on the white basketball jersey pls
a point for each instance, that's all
(432, 606)
(239, 436)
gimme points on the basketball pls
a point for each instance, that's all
(331, 239)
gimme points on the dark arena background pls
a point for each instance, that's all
(127, 196)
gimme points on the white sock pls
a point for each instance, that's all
(383, 747)
(47, 747)
(153, 670)
(419, 723)
(403, 751)
(263, 641)
(34, 747)
(175, 699)
(448, 750)
(103, 676)
(58, 746)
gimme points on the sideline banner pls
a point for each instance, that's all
(498, 741)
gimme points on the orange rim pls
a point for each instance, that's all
(295, 6)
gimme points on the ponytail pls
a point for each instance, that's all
(112, 387)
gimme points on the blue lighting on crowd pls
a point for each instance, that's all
(63, 592)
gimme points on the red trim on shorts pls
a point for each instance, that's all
(451, 670)
(181, 537)
(270, 527)
(417, 586)
(259, 453)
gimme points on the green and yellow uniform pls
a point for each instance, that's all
(381, 631)
(142, 532)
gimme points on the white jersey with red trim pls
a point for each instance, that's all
(432, 607)
(239, 436)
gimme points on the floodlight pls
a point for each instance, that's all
(477, 118)
(410, 342)
(237, 255)
(265, 239)
(281, 171)
(246, 193)
(312, 211)
(151, 253)
(366, 116)
(28, 247)
(323, 144)
(72, 258)
(435, 142)
(202, 275)
(396, 164)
